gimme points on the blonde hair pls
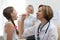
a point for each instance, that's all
(32, 8)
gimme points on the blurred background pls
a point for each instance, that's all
(20, 6)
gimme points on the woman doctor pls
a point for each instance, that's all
(45, 30)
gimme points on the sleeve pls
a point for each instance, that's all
(35, 20)
(53, 34)
(28, 32)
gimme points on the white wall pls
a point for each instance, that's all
(2, 5)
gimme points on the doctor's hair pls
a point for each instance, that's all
(47, 12)
(7, 13)
(32, 8)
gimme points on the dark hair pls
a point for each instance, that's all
(32, 7)
(7, 13)
(47, 12)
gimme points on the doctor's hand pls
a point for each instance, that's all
(23, 17)
(21, 25)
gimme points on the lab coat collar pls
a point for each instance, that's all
(45, 27)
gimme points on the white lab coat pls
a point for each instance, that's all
(50, 35)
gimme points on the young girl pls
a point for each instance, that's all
(10, 29)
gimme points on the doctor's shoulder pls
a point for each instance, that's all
(53, 26)
(52, 32)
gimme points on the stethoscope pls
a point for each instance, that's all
(39, 29)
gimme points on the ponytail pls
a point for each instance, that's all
(12, 21)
